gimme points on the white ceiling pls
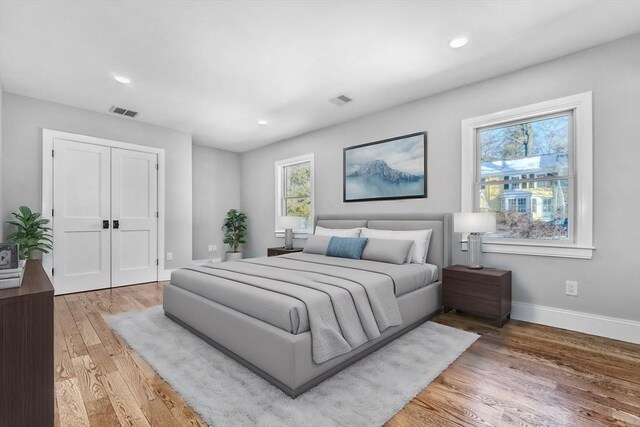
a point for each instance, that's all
(214, 68)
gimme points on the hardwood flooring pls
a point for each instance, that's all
(520, 374)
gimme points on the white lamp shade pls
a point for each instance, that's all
(474, 222)
(286, 222)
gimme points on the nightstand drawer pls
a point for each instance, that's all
(472, 276)
(471, 304)
(486, 291)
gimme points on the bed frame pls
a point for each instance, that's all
(284, 359)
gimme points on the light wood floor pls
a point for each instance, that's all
(521, 374)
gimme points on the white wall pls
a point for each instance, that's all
(24, 119)
(216, 189)
(609, 284)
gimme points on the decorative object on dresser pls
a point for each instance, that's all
(26, 351)
(32, 233)
(485, 292)
(235, 233)
(394, 168)
(8, 256)
(12, 278)
(289, 224)
(282, 251)
(475, 224)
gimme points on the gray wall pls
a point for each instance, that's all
(609, 284)
(24, 119)
(216, 189)
(1, 168)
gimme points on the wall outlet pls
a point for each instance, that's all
(572, 288)
(215, 248)
(169, 256)
(210, 248)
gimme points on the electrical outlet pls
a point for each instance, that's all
(215, 248)
(210, 248)
(169, 256)
(572, 288)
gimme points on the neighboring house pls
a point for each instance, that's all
(542, 198)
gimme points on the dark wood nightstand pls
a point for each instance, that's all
(485, 292)
(281, 251)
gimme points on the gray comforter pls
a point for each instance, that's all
(347, 303)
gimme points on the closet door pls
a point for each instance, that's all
(134, 206)
(81, 237)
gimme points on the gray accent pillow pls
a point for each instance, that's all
(316, 244)
(392, 251)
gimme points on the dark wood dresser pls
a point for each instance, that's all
(26, 351)
(485, 292)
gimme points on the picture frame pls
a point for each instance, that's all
(389, 169)
(9, 256)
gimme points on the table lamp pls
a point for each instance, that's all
(475, 224)
(289, 223)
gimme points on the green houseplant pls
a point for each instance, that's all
(32, 233)
(235, 232)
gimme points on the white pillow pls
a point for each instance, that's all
(338, 232)
(421, 238)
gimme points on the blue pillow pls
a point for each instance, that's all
(346, 247)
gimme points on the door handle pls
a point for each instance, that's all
(116, 224)
(105, 224)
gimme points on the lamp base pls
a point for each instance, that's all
(474, 251)
(288, 238)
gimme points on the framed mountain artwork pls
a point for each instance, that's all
(390, 169)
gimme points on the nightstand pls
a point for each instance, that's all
(485, 292)
(281, 251)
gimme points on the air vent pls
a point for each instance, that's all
(341, 100)
(123, 111)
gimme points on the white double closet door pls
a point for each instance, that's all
(105, 225)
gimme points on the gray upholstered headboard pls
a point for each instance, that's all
(439, 248)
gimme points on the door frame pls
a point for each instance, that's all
(48, 136)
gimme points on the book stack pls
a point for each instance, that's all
(12, 277)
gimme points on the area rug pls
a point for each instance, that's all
(225, 393)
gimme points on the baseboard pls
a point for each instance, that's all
(609, 327)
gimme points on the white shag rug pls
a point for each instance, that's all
(226, 393)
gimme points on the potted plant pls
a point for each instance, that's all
(32, 234)
(235, 233)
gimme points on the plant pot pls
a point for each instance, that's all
(233, 256)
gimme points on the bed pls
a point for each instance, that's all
(267, 313)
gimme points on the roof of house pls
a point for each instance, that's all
(531, 164)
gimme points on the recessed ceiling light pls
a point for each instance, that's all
(122, 79)
(458, 42)
(263, 122)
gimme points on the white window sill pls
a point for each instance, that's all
(296, 234)
(537, 249)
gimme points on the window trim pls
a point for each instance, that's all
(279, 167)
(582, 153)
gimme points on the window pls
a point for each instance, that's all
(537, 150)
(294, 192)
(522, 205)
(516, 160)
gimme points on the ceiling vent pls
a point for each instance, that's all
(123, 111)
(341, 100)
